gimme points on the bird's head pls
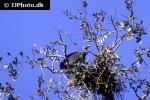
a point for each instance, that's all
(85, 48)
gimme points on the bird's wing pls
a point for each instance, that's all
(71, 54)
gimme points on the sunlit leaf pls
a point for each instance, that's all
(116, 56)
(6, 66)
(140, 61)
(109, 32)
(129, 37)
(129, 29)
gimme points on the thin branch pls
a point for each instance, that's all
(118, 43)
(92, 33)
(135, 91)
(116, 37)
(139, 73)
(146, 94)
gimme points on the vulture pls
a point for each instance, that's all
(75, 57)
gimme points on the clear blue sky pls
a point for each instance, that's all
(19, 30)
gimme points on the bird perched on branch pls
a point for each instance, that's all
(74, 57)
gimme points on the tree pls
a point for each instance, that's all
(104, 75)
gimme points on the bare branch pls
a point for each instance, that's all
(116, 30)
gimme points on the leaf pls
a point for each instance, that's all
(14, 72)
(141, 22)
(146, 91)
(8, 53)
(0, 85)
(10, 67)
(21, 53)
(116, 56)
(129, 29)
(148, 55)
(139, 86)
(129, 37)
(109, 32)
(56, 91)
(40, 92)
(7, 83)
(106, 85)
(75, 43)
(40, 80)
(5, 66)
(84, 4)
(46, 98)
(14, 62)
(108, 49)
(1, 58)
(140, 61)
(102, 19)
(51, 79)
(138, 40)
(124, 24)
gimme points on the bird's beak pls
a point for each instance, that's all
(87, 46)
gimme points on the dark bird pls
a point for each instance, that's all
(74, 57)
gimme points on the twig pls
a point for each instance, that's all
(116, 37)
(118, 43)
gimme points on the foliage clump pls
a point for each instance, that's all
(99, 77)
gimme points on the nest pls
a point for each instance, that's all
(98, 78)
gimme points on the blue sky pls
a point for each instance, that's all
(19, 30)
